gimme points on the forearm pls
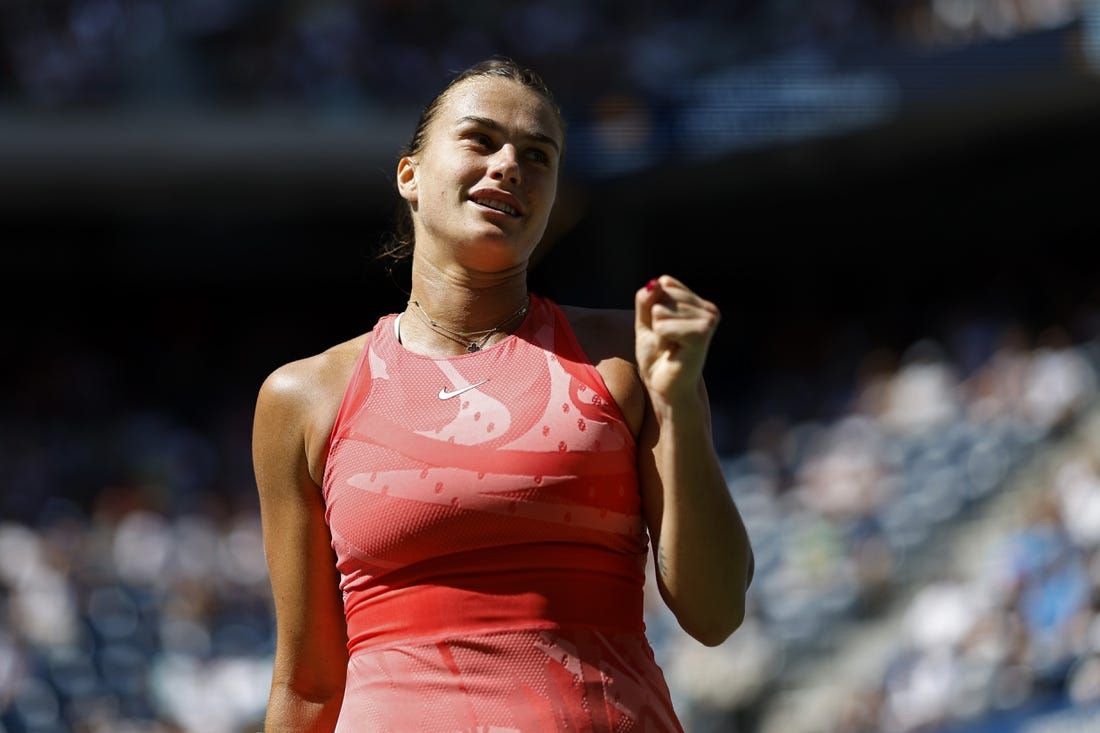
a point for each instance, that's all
(703, 555)
(704, 561)
(309, 674)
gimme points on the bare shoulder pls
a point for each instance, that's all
(299, 400)
(304, 380)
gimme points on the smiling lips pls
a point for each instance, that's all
(496, 204)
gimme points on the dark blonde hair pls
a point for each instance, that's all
(398, 245)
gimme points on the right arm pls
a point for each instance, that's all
(310, 666)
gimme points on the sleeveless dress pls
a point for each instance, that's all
(485, 515)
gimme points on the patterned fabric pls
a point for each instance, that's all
(485, 514)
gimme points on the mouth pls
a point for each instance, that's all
(496, 205)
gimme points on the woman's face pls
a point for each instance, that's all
(487, 175)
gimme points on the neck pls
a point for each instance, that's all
(465, 300)
(448, 325)
(451, 307)
(477, 339)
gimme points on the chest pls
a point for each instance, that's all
(464, 454)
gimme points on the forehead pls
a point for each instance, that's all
(504, 101)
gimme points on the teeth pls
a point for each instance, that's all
(498, 205)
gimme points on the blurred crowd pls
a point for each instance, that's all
(1015, 628)
(134, 597)
(87, 53)
(140, 605)
(639, 82)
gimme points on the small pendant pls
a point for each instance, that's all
(472, 347)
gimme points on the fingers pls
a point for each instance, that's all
(671, 309)
(673, 330)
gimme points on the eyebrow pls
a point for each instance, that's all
(494, 125)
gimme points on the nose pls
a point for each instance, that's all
(505, 164)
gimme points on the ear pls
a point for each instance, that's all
(406, 179)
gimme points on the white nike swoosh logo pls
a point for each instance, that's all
(445, 395)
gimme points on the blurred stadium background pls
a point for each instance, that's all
(893, 203)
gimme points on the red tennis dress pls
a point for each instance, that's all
(485, 515)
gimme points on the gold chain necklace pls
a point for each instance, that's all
(472, 340)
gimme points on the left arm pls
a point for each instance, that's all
(701, 548)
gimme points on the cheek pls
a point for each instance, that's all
(459, 172)
(547, 187)
(436, 186)
(552, 186)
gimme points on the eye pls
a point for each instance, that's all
(480, 139)
(538, 155)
